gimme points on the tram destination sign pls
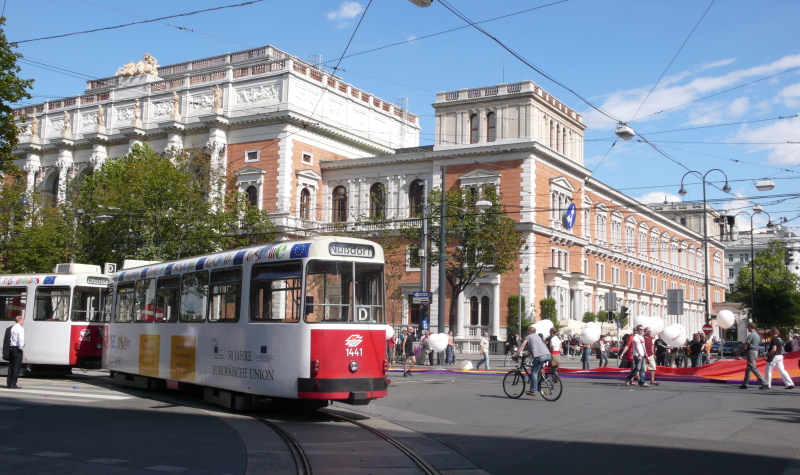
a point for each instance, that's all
(97, 280)
(351, 250)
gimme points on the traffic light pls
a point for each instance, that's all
(624, 314)
(611, 316)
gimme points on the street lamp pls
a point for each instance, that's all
(682, 192)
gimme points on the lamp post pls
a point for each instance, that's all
(682, 192)
(756, 210)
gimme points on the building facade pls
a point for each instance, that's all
(320, 153)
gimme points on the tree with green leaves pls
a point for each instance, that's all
(12, 89)
(149, 207)
(776, 298)
(480, 243)
(548, 311)
(589, 317)
(512, 315)
(602, 316)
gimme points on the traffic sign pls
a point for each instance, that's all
(707, 329)
(420, 298)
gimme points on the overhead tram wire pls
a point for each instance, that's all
(251, 2)
(671, 61)
(525, 61)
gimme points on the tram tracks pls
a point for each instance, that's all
(313, 438)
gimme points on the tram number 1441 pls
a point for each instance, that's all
(355, 352)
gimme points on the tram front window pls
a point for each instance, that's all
(87, 303)
(344, 292)
(52, 304)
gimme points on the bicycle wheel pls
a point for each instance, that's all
(550, 386)
(514, 384)
(506, 359)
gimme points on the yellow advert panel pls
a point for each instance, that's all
(182, 358)
(149, 346)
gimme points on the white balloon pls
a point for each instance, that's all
(656, 325)
(725, 319)
(543, 326)
(674, 335)
(642, 320)
(466, 365)
(592, 324)
(389, 332)
(438, 342)
(590, 334)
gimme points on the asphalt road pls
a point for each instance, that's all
(460, 423)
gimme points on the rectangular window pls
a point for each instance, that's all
(586, 267)
(308, 159)
(730, 257)
(642, 282)
(12, 302)
(125, 302)
(88, 304)
(251, 156)
(615, 275)
(414, 261)
(168, 296)
(52, 304)
(629, 278)
(275, 291)
(344, 291)
(413, 312)
(663, 286)
(226, 293)
(194, 297)
(145, 300)
(653, 284)
(730, 273)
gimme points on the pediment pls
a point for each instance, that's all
(562, 182)
(308, 175)
(250, 171)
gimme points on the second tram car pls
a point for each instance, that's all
(293, 320)
(64, 313)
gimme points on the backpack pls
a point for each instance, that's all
(7, 345)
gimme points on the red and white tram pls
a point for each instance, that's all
(293, 320)
(64, 313)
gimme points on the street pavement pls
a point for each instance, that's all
(462, 423)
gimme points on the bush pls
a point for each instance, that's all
(602, 316)
(589, 317)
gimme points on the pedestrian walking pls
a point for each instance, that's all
(695, 347)
(484, 349)
(775, 361)
(450, 355)
(639, 358)
(649, 350)
(602, 349)
(751, 345)
(661, 351)
(408, 352)
(16, 342)
(586, 352)
(554, 344)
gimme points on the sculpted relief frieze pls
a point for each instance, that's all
(163, 108)
(204, 101)
(88, 120)
(125, 114)
(257, 94)
(306, 96)
(58, 125)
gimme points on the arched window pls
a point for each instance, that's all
(305, 203)
(491, 127)
(252, 195)
(340, 204)
(485, 311)
(416, 198)
(377, 201)
(52, 191)
(474, 311)
(474, 128)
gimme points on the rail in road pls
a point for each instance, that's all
(324, 440)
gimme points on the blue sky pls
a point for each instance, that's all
(610, 52)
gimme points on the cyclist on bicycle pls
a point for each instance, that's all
(539, 356)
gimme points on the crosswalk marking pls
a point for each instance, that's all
(67, 394)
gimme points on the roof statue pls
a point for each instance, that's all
(148, 66)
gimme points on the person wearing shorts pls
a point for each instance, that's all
(408, 352)
(649, 350)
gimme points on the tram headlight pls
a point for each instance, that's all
(353, 366)
(314, 368)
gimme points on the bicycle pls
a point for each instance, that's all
(516, 381)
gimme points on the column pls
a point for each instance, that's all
(495, 309)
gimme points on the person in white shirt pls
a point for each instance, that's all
(16, 343)
(796, 343)
(639, 358)
(602, 347)
(554, 344)
(484, 352)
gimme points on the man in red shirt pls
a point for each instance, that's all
(650, 364)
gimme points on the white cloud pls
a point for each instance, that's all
(658, 197)
(775, 137)
(411, 38)
(346, 11)
(716, 64)
(790, 95)
(741, 203)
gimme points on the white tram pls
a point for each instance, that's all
(292, 320)
(64, 313)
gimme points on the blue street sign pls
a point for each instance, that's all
(420, 298)
(569, 216)
(425, 324)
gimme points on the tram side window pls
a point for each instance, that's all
(226, 293)
(125, 302)
(167, 298)
(275, 292)
(329, 291)
(87, 303)
(369, 293)
(194, 297)
(146, 310)
(12, 303)
(52, 304)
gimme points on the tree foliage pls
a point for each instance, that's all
(149, 207)
(12, 89)
(512, 315)
(548, 311)
(479, 243)
(589, 317)
(776, 298)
